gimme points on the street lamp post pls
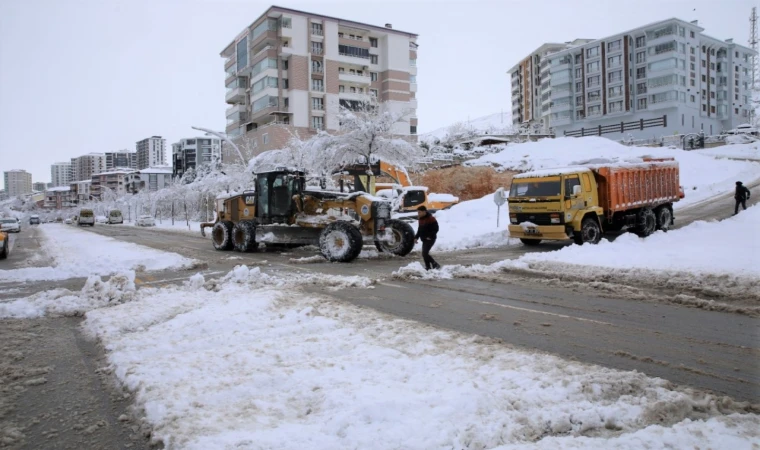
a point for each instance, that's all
(224, 136)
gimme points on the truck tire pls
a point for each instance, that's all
(403, 239)
(221, 235)
(664, 218)
(530, 242)
(4, 249)
(340, 242)
(647, 222)
(244, 236)
(590, 233)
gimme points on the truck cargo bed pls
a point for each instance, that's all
(630, 186)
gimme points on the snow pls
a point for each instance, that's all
(738, 151)
(702, 175)
(446, 198)
(553, 172)
(248, 362)
(492, 123)
(78, 253)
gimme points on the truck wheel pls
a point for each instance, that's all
(590, 233)
(244, 236)
(221, 235)
(530, 242)
(647, 222)
(664, 218)
(340, 242)
(4, 249)
(402, 238)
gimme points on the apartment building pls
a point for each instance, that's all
(292, 70)
(151, 152)
(530, 82)
(39, 186)
(121, 159)
(80, 191)
(115, 181)
(660, 79)
(17, 183)
(85, 166)
(60, 173)
(59, 197)
(189, 153)
(152, 179)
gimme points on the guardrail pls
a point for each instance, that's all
(622, 127)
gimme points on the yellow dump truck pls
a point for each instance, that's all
(5, 246)
(583, 203)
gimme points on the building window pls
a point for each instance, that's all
(317, 103)
(316, 67)
(578, 101)
(691, 34)
(317, 85)
(373, 93)
(614, 45)
(413, 79)
(578, 72)
(316, 29)
(704, 79)
(592, 66)
(373, 59)
(412, 129)
(641, 88)
(373, 42)
(412, 62)
(691, 82)
(317, 123)
(641, 57)
(578, 58)
(641, 72)
(353, 90)
(712, 109)
(616, 106)
(615, 76)
(592, 52)
(615, 61)
(615, 91)
(265, 138)
(316, 48)
(691, 50)
(373, 76)
(341, 88)
(579, 86)
(641, 41)
(594, 110)
(594, 96)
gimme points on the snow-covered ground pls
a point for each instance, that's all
(738, 151)
(180, 226)
(702, 175)
(248, 362)
(500, 122)
(78, 253)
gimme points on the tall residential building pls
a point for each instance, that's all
(17, 183)
(121, 159)
(80, 190)
(291, 70)
(85, 166)
(115, 181)
(189, 153)
(530, 83)
(60, 173)
(151, 152)
(661, 79)
(39, 186)
(152, 179)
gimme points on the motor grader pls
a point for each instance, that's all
(282, 211)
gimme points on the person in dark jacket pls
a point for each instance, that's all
(427, 230)
(741, 196)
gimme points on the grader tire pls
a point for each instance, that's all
(403, 239)
(340, 242)
(221, 235)
(244, 236)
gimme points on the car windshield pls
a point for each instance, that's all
(522, 188)
(8, 221)
(115, 213)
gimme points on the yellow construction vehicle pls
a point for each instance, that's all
(5, 245)
(406, 196)
(282, 211)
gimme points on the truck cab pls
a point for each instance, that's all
(552, 204)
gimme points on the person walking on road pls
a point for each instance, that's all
(741, 196)
(427, 230)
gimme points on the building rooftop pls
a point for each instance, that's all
(58, 189)
(160, 169)
(114, 172)
(275, 9)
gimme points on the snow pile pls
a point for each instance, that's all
(496, 123)
(77, 253)
(471, 224)
(702, 176)
(739, 151)
(236, 367)
(96, 293)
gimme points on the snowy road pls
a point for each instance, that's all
(610, 326)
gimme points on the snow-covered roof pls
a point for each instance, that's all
(414, 188)
(164, 169)
(553, 172)
(58, 189)
(115, 172)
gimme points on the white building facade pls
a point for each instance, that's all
(189, 153)
(152, 179)
(60, 173)
(151, 152)
(85, 166)
(17, 183)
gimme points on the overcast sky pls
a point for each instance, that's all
(80, 76)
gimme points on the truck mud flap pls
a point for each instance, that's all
(287, 235)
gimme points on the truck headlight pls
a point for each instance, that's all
(513, 218)
(555, 218)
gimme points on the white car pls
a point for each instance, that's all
(68, 221)
(101, 219)
(10, 225)
(744, 128)
(145, 221)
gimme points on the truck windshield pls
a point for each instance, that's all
(522, 188)
(85, 213)
(115, 213)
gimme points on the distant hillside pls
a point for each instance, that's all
(492, 123)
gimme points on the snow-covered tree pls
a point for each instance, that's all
(313, 155)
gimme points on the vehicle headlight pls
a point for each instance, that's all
(554, 218)
(513, 218)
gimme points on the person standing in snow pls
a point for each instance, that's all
(741, 196)
(427, 230)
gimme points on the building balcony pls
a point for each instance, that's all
(355, 79)
(285, 52)
(353, 59)
(561, 121)
(412, 87)
(413, 103)
(229, 62)
(235, 95)
(561, 107)
(235, 109)
(238, 118)
(359, 96)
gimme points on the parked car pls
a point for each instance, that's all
(101, 219)
(115, 216)
(34, 219)
(10, 225)
(145, 221)
(86, 217)
(68, 221)
(744, 128)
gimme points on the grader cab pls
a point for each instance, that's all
(282, 211)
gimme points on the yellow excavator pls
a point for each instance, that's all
(406, 196)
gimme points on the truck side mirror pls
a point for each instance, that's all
(576, 190)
